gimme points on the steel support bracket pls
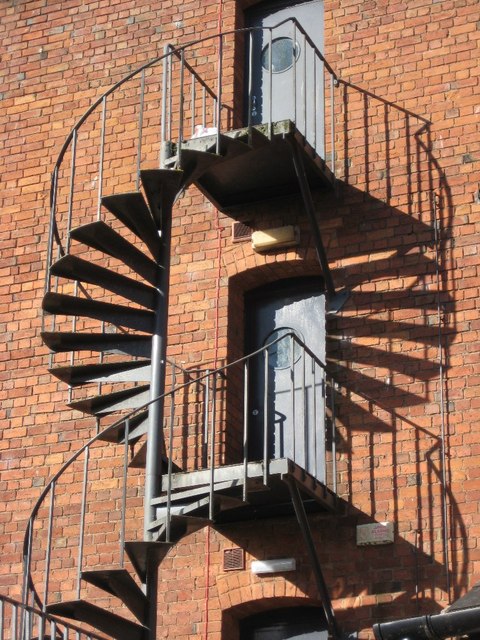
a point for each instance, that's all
(336, 300)
(302, 519)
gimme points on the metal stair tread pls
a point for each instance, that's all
(234, 485)
(115, 401)
(180, 525)
(120, 583)
(100, 236)
(121, 343)
(63, 304)
(141, 553)
(139, 460)
(138, 427)
(75, 268)
(105, 621)
(74, 375)
(132, 210)
(161, 188)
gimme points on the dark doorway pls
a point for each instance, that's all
(297, 623)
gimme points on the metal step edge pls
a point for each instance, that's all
(75, 268)
(62, 304)
(120, 583)
(142, 553)
(127, 371)
(111, 402)
(132, 211)
(112, 343)
(138, 427)
(202, 490)
(161, 187)
(110, 623)
(100, 236)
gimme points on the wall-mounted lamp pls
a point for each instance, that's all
(279, 565)
(276, 238)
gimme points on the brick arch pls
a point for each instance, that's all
(251, 605)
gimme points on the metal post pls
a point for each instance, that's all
(123, 509)
(292, 390)
(245, 427)
(332, 120)
(250, 85)
(49, 545)
(334, 444)
(181, 112)
(193, 105)
(212, 446)
(270, 87)
(265, 417)
(140, 129)
(72, 189)
(155, 441)
(102, 156)
(205, 420)
(82, 520)
(170, 457)
(219, 91)
(163, 120)
(314, 383)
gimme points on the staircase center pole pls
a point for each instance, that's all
(155, 437)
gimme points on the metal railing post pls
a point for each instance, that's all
(219, 92)
(265, 417)
(102, 156)
(82, 520)
(246, 367)
(170, 457)
(140, 129)
(123, 507)
(212, 446)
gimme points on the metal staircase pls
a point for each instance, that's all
(106, 306)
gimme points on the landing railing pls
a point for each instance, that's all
(20, 621)
(94, 503)
(186, 92)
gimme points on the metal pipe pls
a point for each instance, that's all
(270, 86)
(181, 110)
(304, 83)
(205, 420)
(265, 418)
(334, 436)
(193, 105)
(442, 625)
(71, 190)
(163, 117)
(250, 86)
(82, 521)
(292, 391)
(305, 417)
(219, 92)
(102, 156)
(212, 447)
(49, 547)
(140, 129)
(204, 107)
(170, 458)
(294, 75)
(123, 508)
(332, 121)
(314, 425)
(245, 426)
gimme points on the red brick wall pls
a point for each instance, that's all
(407, 150)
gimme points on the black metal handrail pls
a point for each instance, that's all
(208, 380)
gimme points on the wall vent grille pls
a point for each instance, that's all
(241, 232)
(233, 559)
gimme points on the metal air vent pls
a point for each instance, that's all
(233, 559)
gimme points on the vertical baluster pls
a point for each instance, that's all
(205, 420)
(13, 626)
(163, 117)
(82, 520)
(219, 90)
(250, 85)
(123, 512)
(314, 54)
(305, 87)
(53, 629)
(71, 189)
(212, 444)
(270, 85)
(265, 417)
(294, 75)
(304, 409)
(2, 618)
(204, 107)
(314, 412)
(334, 444)
(332, 121)
(181, 113)
(170, 93)
(140, 129)
(65, 633)
(49, 546)
(170, 456)
(246, 367)
(27, 561)
(193, 104)
(101, 159)
(292, 377)
(52, 225)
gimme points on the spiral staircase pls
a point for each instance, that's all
(109, 283)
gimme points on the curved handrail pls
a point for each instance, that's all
(170, 51)
(204, 377)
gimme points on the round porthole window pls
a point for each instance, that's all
(284, 53)
(280, 353)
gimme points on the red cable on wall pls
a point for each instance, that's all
(217, 315)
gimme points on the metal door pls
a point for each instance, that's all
(285, 71)
(287, 388)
